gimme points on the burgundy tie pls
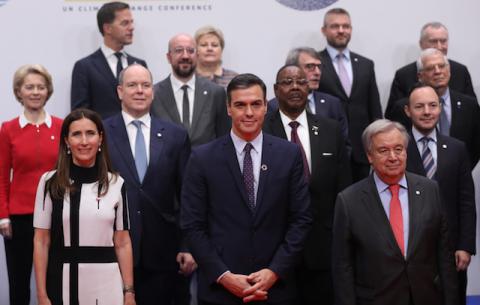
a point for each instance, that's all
(248, 178)
(295, 139)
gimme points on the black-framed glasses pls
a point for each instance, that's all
(288, 82)
(181, 50)
(311, 67)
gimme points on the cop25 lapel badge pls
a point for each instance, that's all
(315, 130)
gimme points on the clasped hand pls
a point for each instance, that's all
(253, 287)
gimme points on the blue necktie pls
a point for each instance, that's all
(248, 176)
(140, 151)
(427, 158)
(444, 123)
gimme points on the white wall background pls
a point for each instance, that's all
(258, 35)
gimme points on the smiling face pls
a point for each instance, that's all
(388, 155)
(291, 91)
(424, 109)
(83, 140)
(136, 91)
(182, 56)
(33, 92)
(247, 108)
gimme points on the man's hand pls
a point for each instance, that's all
(6, 230)
(235, 283)
(187, 263)
(261, 282)
(462, 259)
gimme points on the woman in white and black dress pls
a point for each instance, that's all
(82, 248)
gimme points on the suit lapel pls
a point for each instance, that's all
(355, 71)
(232, 161)
(102, 66)
(442, 155)
(276, 126)
(330, 70)
(265, 165)
(372, 201)
(199, 102)
(156, 146)
(414, 159)
(456, 108)
(415, 207)
(316, 145)
(122, 145)
(168, 100)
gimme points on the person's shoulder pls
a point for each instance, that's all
(203, 82)
(56, 121)
(455, 65)
(169, 126)
(319, 95)
(282, 146)
(11, 123)
(360, 58)
(414, 180)
(137, 60)
(90, 57)
(164, 82)
(407, 69)
(355, 190)
(457, 98)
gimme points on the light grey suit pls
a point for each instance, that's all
(210, 119)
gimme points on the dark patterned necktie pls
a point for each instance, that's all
(185, 108)
(118, 55)
(248, 178)
(295, 139)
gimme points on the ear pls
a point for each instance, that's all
(229, 109)
(120, 92)
(169, 57)
(406, 109)
(370, 158)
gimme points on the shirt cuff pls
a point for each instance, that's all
(4, 221)
(222, 275)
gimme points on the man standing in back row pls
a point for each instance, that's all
(351, 78)
(94, 78)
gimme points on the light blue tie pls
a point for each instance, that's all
(140, 151)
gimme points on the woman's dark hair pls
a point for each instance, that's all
(60, 183)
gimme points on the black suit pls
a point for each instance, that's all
(465, 121)
(94, 86)
(153, 204)
(368, 266)
(209, 120)
(362, 106)
(329, 175)
(456, 190)
(406, 77)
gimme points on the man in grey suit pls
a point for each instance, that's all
(390, 237)
(183, 98)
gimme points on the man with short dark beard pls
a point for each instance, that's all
(183, 98)
(351, 78)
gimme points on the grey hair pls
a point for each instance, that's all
(294, 54)
(381, 126)
(429, 52)
(122, 73)
(434, 25)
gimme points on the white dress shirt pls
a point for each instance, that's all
(132, 131)
(302, 132)
(347, 62)
(112, 60)
(431, 144)
(178, 93)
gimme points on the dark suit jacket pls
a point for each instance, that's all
(152, 204)
(465, 124)
(94, 86)
(210, 119)
(368, 266)
(362, 106)
(406, 77)
(224, 234)
(326, 105)
(455, 181)
(329, 175)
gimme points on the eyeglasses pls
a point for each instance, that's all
(181, 50)
(288, 82)
(433, 67)
(311, 67)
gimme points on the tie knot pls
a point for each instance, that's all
(137, 123)
(394, 189)
(118, 55)
(184, 88)
(442, 101)
(425, 140)
(294, 124)
(248, 147)
(340, 56)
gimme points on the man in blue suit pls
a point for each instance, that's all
(319, 103)
(245, 207)
(150, 155)
(94, 78)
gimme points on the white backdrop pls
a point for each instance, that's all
(258, 35)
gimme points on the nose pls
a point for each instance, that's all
(249, 110)
(84, 139)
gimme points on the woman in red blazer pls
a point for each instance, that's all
(28, 148)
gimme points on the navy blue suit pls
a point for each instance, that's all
(224, 234)
(153, 204)
(94, 86)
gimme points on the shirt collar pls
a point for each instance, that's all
(177, 84)
(128, 119)
(23, 121)
(240, 143)
(382, 186)
(417, 135)
(301, 119)
(334, 52)
(107, 52)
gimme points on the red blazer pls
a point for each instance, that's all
(26, 153)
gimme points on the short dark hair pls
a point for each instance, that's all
(335, 11)
(244, 81)
(106, 14)
(283, 68)
(416, 86)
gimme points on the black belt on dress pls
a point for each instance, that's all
(88, 255)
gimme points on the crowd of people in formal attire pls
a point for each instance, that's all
(197, 190)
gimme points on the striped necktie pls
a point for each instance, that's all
(427, 158)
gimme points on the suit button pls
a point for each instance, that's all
(138, 212)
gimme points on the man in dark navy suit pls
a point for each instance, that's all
(445, 160)
(94, 78)
(150, 155)
(245, 207)
(318, 102)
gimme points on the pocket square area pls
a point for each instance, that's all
(327, 154)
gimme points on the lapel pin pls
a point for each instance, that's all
(264, 167)
(205, 92)
(417, 192)
(459, 104)
(444, 145)
(52, 137)
(315, 130)
(322, 101)
(355, 59)
(159, 135)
